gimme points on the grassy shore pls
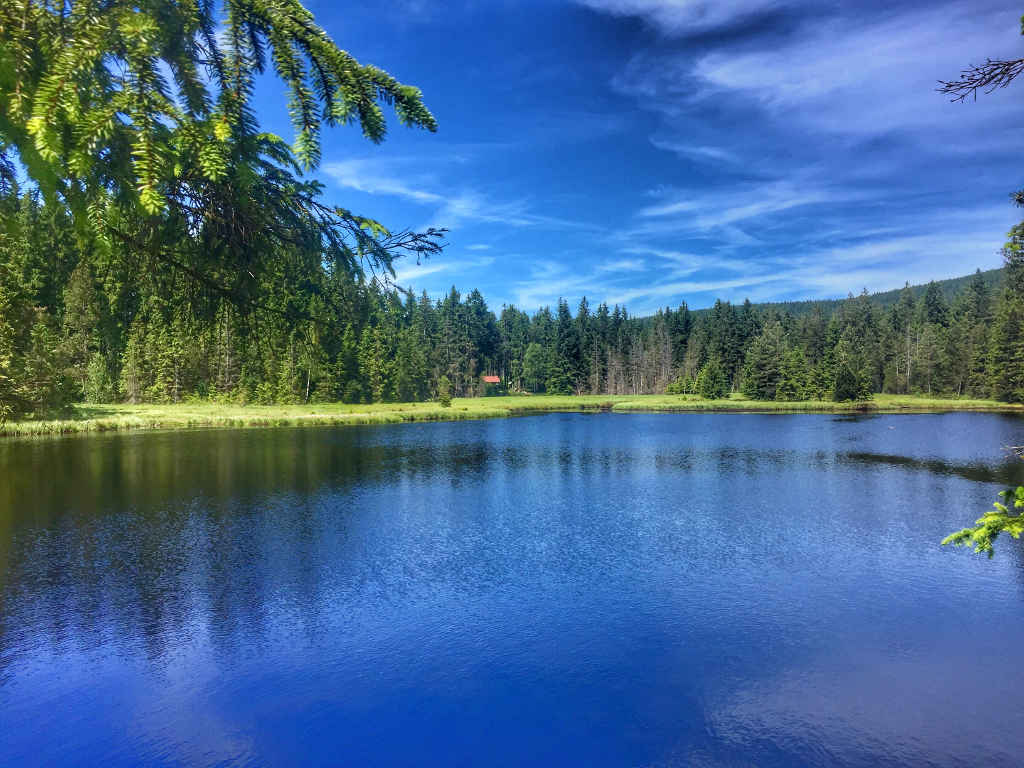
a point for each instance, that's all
(116, 417)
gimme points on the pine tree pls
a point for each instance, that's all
(535, 367)
(81, 323)
(1006, 345)
(711, 381)
(847, 385)
(1006, 350)
(564, 376)
(374, 363)
(933, 308)
(44, 386)
(762, 370)
(793, 384)
(12, 318)
(444, 392)
(348, 376)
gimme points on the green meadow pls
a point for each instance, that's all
(120, 417)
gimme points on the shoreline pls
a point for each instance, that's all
(89, 418)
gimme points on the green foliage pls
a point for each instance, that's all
(375, 363)
(87, 90)
(11, 313)
(847, 385)
(762, 370)
(933, 308)
(535, 367)
(989, 526)
(793, 378)
(559, 382)
(444, 392)
(44, 388)
(1006, 341)
(98, 386)
(681, 385)
(33, 365)
(566, 370)
(137, 119)
(711, 381)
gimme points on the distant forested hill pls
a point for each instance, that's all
(949, 288)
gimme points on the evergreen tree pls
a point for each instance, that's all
(444, 392)
(535, 368)
(1006, 345)
(793, 377)
(847, 385)
(1006, 350)
(933, 308)
(564, 376)
(374, 362)
(81, 324)
(762, 371)
(711, 381)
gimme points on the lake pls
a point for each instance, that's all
(566, 589)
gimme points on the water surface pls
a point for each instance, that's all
(648, 590)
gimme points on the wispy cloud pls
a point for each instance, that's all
(875, 261)
(408, 274)
(412, 274)
(685, 16)
(737, 204)
(364, 176)
(450, 210)
(699, 152)
(553, 278)
(853, 73)
(865, 75)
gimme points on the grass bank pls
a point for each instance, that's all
(117, 417)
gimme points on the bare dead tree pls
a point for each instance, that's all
(985, 77)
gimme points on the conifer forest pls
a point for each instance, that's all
(80, 323)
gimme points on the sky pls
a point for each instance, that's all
(647, 152)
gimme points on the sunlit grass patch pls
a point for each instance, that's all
(123, 416)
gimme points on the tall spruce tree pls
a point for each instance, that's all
(762, 371)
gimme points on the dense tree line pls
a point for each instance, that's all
(165, 245)
(77, 322)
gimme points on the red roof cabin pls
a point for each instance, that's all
(492, 385)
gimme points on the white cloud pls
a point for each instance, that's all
(918, 248)
(551, 279)
(680, 17)
(395, 179)
(707, 211)
(622, 265)
(700, 152)
(855, 73)
(406, 275)
(363, 176)
(872, 76)
(673, 263)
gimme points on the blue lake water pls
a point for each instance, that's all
(642, 590)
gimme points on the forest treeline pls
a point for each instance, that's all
(76, 323)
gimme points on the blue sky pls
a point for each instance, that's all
(643, 152)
